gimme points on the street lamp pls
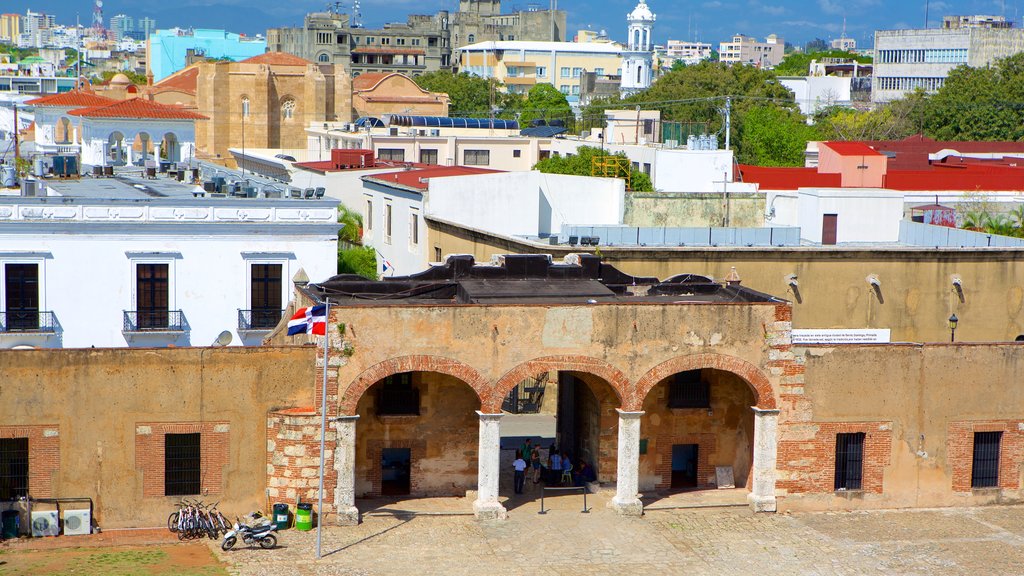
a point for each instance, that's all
(952, 327)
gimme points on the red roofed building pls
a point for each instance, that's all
(379, 93)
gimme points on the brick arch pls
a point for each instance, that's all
(758, 382)
(586, 364)
(415, 363)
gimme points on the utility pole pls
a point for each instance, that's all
(926, 14)
(17, 155)
(728, 119)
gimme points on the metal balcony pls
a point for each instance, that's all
(258, 319)
(143, 321)
(28, 321)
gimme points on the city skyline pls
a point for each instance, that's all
(711, 21)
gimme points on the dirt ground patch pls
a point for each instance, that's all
(191, 559)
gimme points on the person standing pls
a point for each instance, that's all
(535, 464)
(554, 465)
(520, 473)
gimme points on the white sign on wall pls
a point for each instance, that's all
(841, 336)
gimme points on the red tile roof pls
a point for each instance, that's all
(137, 108)
(852, 148)
(72, 99)
(277, 59)
(788, 178)
(418, 179)
(369, 80)
(184, 81)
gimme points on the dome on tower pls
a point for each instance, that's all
(641, 12)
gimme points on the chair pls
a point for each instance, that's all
(310, 192)
(567, 476)
(320, 192)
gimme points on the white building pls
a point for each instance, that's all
(814, 93)
(688, 53)
(81, 272)
(906, 60)
(746, 50)
(638, 57)
(403, 205)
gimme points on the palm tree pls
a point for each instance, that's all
(1018, 215)
(974, 220)
(999, 224)
(351, 233)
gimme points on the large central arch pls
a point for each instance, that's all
(585, 364)
(758, 382)
(413, 363)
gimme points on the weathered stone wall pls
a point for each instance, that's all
(96, 419)
(919, 406)
(917, 290)
(443, 439)
(293, 457)
(724, 433)
(671, 209)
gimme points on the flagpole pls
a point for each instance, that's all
(323, 426)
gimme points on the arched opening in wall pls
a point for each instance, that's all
(170, 148)
(565, 427)
(143, 148)
(64, 131)
(1019, 338)
(417, 436)
(697, 433)
(117, 150)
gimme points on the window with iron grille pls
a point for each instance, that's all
(985, 468)
(182, 464)
(689, 390)
(391, 154)
(397, 397)
(13, 468)
(21, 284)
(265, 295)
(477, 158)
(849, 461)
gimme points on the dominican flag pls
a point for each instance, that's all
(309, 320)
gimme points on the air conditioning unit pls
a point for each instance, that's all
(411, 132)
(45, 523)
(435, 132)
(77, 522)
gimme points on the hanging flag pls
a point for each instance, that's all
(386, 265)
(309, 320)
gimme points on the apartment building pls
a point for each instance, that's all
(687, 52)
(747, 50)
(906, 60)
(10, 27)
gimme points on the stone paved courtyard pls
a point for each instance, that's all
(682, 541)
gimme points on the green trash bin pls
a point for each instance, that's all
(304, 517)
(10, 524)
(281, 516)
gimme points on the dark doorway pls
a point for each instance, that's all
(829, 225)
(395, 465)
(684, 465)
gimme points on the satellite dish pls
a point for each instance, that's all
(223, 339)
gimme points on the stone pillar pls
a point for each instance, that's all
(487, 506)
(345, 464)
(626, 500)
(156, 151)
(129, 148)
(766, 439)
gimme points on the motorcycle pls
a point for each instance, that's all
(261, 532)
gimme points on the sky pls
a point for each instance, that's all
(797, 21)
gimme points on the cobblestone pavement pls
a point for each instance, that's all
(696, 541)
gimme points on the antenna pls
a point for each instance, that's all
(925, 14)
(223, 339)
(357, 15)
(97, 18)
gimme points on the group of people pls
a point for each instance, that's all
(557, 468)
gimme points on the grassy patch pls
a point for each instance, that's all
(164, 560)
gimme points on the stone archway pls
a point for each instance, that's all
(584, 364)
(762, 388)
(413, 363)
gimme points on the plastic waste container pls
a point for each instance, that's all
(9, 520)
(281, 516)
(304, 516)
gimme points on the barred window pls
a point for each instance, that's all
(13, 468)
(689, 390)
(849, 461)
(985, 465)
(477, 158)
(182, 464)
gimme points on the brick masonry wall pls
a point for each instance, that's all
(807, 465)
(43, 456)
(214, 446)
(293, 458)
(960, 447)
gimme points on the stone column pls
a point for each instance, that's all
(156, 151)
(345, 464)
(766, 439)
(129, 148)
(626, 500)
(487, 506)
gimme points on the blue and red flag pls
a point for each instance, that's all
(309, 320)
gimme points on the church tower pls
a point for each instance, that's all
(638, 57)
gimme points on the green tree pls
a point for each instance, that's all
(979, 103)
(581, 164)
(135, 77)
(774, 136)
(470, 95)
(545, 101)
(816, 45)
(361, 260)
(893, 121)
(799, 63)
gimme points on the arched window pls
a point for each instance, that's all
(288, 109)
(472, 38)
(325, 58)
(245, 107)
(636, 40)
(639, 69)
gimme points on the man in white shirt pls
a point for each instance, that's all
(520, 476)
